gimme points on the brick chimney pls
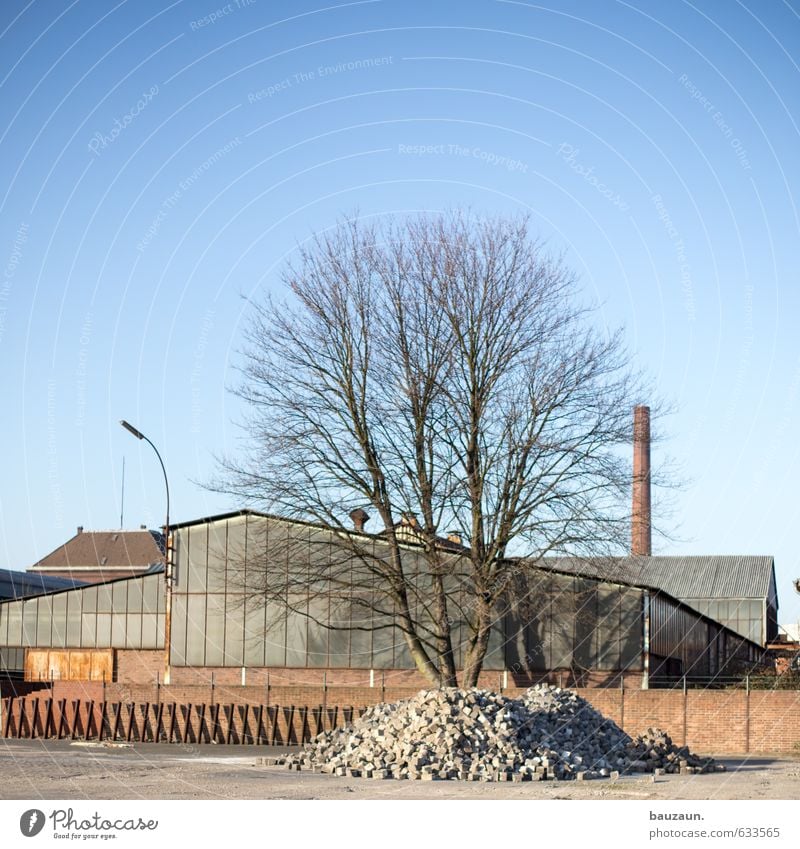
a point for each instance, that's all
(360, 518)
(641, 542)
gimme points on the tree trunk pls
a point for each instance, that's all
(476, 653)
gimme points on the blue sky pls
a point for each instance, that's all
(159, 162)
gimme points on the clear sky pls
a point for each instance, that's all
(158, 163)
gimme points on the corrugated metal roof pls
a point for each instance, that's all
(21, 584)
(709, 576)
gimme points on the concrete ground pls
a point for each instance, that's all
(34, 769)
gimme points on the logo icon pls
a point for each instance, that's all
(31, 822)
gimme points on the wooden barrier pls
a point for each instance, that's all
(157, 722)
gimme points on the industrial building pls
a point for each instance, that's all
(640, 620)
(736, 591)
(595, 630)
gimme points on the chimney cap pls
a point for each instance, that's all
(80, 529)
(360, 518)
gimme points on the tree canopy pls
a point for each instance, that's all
(442, 373)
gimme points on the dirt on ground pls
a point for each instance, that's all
(33, 769)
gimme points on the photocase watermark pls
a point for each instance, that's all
(65, 824)
(488, 157)
(195, 378)
(219, 14)
(680, 255)
(32, 822)
(100, 141)
(184, 185)
(569, 153)
(9, 272)
(719, 119)
(318, 73)
(80, 371)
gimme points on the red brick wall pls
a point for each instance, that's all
(774, 725)
(710, 722)
(147, 667)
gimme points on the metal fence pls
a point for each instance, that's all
(725, 682)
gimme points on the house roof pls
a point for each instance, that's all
(684, 577)
(106, 550)
(21, 584)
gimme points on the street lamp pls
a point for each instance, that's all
(167, 555)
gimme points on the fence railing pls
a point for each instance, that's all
(725, 682)
(151, 722)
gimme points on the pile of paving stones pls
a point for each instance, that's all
(478, 735)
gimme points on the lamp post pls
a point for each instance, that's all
(167, 555)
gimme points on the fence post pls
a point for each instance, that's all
(685, 712)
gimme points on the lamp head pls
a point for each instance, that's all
(131, 429)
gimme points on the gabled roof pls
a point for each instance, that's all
(107, 550)
(684, 577)
(21, 584)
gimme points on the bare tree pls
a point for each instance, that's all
(441, 372)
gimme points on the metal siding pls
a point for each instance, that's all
(104, 598)
(254, 646)
(196, 567)
(585, 623)
(296, 637)
(608, 628)
(103, 629)
(339, 640)
(215, 628)
(195, 630)
(74, 612)
(178, 633)
(562, 626)
(276, 636)
(88, 630)
(317, 633)
(631, 629)
(13, 611)
(29, 622)
(44, 621)
(234, 631)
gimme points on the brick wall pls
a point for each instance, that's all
(710, 722)
(147, 667)
(706, 720)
